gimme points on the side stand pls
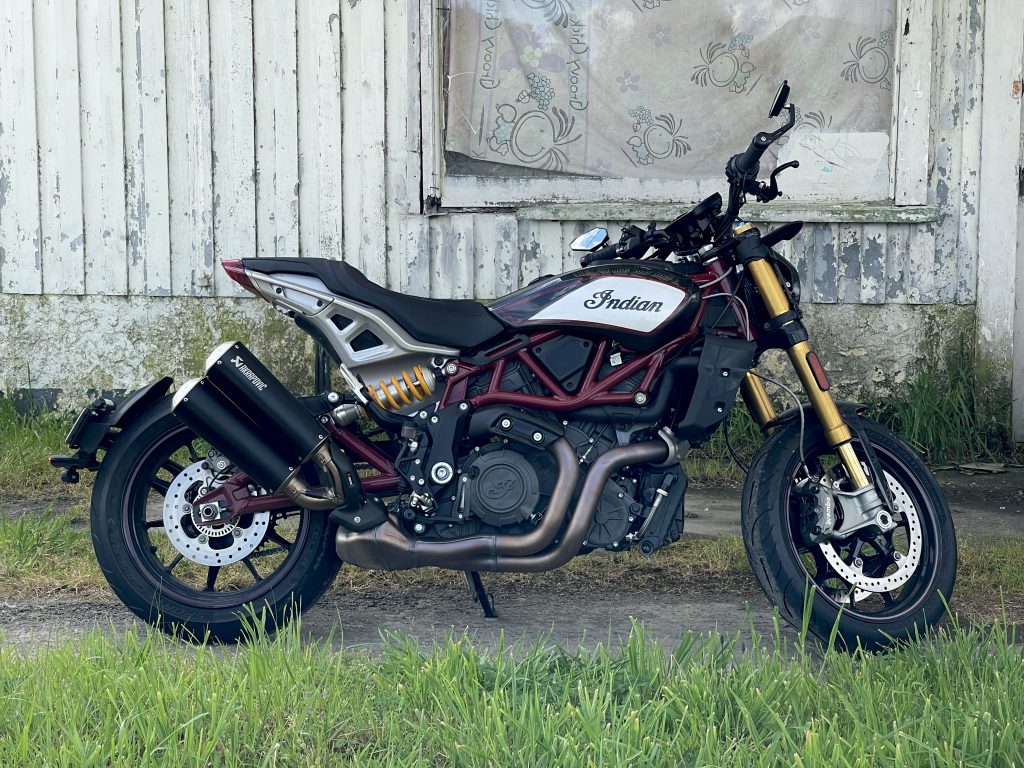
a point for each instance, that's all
(480, 594)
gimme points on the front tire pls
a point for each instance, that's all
(785, 565)
(289, 568)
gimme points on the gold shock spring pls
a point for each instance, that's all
(403, 389)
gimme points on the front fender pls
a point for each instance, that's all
(93, 429)
(850, 412)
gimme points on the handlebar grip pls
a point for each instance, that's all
(608, 252)
(749, 162)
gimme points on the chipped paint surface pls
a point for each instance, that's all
(213, 131)
(122, 343)
(261, 130)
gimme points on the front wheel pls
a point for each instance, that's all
(180, 572)
(872, 588)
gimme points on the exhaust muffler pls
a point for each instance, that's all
(246, 412)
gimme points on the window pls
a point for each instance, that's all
(593, 99)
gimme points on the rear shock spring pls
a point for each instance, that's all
(403, 389)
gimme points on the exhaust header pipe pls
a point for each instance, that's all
(387, 547)
(246, 412)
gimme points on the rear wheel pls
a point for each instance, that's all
(180, 572)
(873, 587)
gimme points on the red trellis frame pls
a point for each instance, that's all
(592, 391)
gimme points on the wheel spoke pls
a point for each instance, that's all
(277, 538)
(172, 466)
(856, 549)
(252, 569)
(887, 598)
(159, 485)
(158, 523)
(170, 566)
(268, 552)
(192, 453)
(211, 577)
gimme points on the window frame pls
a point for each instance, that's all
(579, 198)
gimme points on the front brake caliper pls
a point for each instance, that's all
(817, 510)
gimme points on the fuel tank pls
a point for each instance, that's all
(642, 306)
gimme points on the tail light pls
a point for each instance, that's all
(237, 273)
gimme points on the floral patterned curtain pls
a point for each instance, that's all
(668, 89)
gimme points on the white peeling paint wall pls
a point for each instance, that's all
(142, 142)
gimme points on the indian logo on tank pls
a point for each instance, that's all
(607, 300)
(632, 303)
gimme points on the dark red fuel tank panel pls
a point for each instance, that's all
(641, 306)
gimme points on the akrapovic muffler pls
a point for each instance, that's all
(242, 409)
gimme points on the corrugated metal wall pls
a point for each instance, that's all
(142, 143)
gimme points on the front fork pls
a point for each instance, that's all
(808, 369)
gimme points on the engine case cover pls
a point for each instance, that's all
(503, 487)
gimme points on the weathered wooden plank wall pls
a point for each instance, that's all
(171, 134)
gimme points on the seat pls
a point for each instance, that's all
(458, 323)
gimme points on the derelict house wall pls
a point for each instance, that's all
(143, 143)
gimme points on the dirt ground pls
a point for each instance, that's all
(983, 506)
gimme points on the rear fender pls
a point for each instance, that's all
(94, 429)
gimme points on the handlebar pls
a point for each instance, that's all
(742, 171)
(603, 254)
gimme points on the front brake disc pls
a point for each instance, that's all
(907, 562)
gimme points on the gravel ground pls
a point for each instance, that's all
(984, 506)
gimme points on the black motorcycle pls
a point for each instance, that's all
(515, 436)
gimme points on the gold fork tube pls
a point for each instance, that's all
(755, 396)
(836, 432)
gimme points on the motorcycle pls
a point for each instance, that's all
(516, 436)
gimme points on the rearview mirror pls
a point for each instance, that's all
(590, 241)
(781, 98)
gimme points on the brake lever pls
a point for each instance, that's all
(765, 193)
(771, 179)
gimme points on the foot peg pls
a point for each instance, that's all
(480, 594)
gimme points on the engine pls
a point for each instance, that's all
(503, 485)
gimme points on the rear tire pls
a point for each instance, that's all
(132, 547)
(785, 566)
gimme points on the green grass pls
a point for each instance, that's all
(42, 554)
(953, 408)
(956, 698)
(26, 442)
